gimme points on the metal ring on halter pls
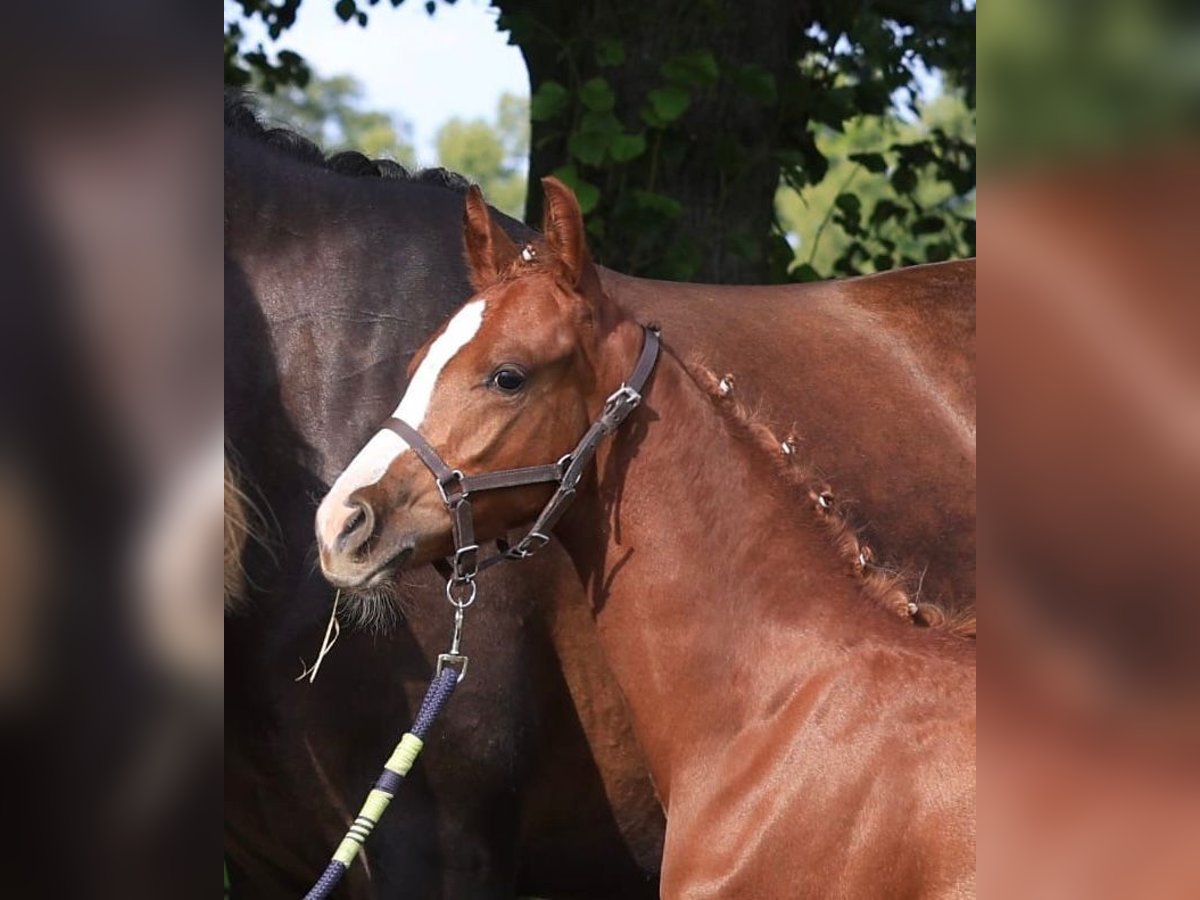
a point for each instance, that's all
(451, 587)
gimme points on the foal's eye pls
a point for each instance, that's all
(507, 379)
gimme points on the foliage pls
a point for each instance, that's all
(491, 154)
(889, 193)
(330, 112)
(852, 65)
(244, 67)
(857, 220)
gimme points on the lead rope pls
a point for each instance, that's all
(451, 667)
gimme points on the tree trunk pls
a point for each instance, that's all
(717, 161)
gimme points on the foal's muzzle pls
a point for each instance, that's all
(357, 546)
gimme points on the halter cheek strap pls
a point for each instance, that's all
(456, 487)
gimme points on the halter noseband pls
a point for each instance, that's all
(456, 487)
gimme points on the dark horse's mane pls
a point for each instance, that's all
(244, 119)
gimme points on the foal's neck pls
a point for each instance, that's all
(715, 590)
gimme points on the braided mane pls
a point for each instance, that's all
(886, 586)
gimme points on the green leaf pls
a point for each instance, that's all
(610, 52)
(345, 9)
(804, 162)
(834, 106)
(757, 82)
(695, 69)
(650, 117)
(588, 146)
(596, 95)
(904, 180)
(939, 252)
(597, 131)
(670, 102)
(548, 101)
(586, 193)
(962, 180)
(872, 162)
(919, 153)
(658, 203)
(882, 262)
(849, 213)
(603, 122)
(884, 210)
(625, 147)
(849, 204)
(928, 225)
(805, 272)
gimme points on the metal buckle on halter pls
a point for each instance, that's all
(564, 465)
(455, 477)
(620, 403)
(461, 572)
(528, 545)
(568, 474)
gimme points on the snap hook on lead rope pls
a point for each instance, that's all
(453, 658)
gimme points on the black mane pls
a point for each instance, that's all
(242, 118)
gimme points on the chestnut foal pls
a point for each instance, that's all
(804, 741)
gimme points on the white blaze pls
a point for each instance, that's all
(378, 454)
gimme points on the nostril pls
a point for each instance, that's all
(357, 528)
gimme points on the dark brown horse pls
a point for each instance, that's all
(535, 784)
(803, 741)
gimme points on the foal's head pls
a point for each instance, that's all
(513, 379)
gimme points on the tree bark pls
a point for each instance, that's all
(722, 167)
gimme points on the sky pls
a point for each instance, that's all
(423, 69)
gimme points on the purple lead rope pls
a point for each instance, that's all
(436, 697)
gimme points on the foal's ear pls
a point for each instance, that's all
(489, 250)
(562, 224)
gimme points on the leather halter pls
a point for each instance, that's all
(456, 487)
